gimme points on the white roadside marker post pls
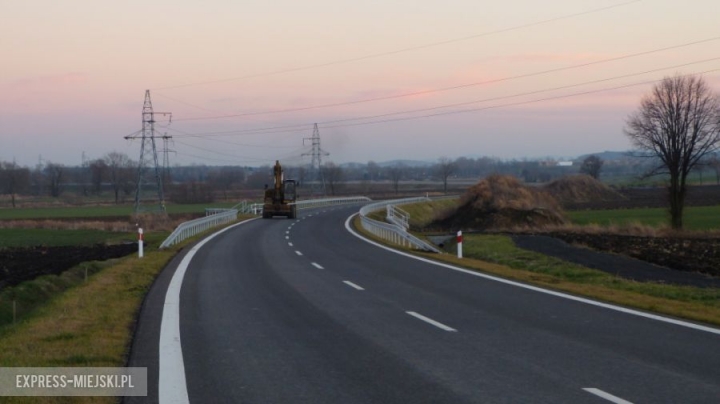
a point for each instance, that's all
(140, 242)
(459, 243)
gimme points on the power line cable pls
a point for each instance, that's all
(281, 129)
(522, 94)
(409, 49)
(456, 87)
(514, 104)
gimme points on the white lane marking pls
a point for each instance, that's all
(298, 252)
(352, 285)
(316, 265)
(287, 232)
(608, 306)
(287, 237)
(607, 396)
(290, 244)
(172, 387)
(431, 321)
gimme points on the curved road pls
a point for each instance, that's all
(303, 311)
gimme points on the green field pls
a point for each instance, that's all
(95, 211)
(695, 218)
(52, 237)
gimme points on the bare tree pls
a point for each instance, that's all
(98, 172)
(224, 178)
(445, 168)
(396, 173)
(678, 123)
(373, 170)
(13, 180)
(592, 165)
(55, 176)
(120, 172)
(333, 175)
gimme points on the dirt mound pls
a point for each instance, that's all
(577, 189)
(503, 202)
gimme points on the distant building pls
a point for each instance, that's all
(565, 163)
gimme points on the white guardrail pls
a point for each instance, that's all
(319, 203)
(392, 232)
(216, 216)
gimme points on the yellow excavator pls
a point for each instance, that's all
(280, 200)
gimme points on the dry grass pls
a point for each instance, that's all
(112, 226)
(500, 202)
(88, 325)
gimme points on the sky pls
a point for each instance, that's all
(384, 80)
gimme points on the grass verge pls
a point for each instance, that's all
(497, 255)
(695, 217)
(89, 324)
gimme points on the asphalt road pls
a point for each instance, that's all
(303, 311)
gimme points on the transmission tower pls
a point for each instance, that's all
(166, 159)
(317, 186)
(149, 192)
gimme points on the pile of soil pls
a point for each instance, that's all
(21, 264)
(502, 202)
(684, 254)
(574, 190)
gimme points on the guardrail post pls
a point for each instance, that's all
(140, 242)
(459, 244)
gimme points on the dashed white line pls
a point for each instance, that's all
(608, 306)
(287, 232)
(352, 285)
(298, 252)
(607, 396)
(431, 321)
(287, 237)
(290, 244)
(316, 265)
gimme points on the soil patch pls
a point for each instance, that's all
(683, 254)
(619, 265)
(22, 264)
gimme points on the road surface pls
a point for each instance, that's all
(303, 311)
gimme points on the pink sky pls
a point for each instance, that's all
(73, 77)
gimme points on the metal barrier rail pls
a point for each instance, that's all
(392, 232)
(397, 216)
(217, 216)
(196, 226)
(318, 203)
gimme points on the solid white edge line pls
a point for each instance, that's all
(298, 252)
(431, 321)
(608, 306)
(172, 387)
(352, 285)
(316, 265)
(607, 396)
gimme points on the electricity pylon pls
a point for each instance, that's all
(149, 192)
(317, 186)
